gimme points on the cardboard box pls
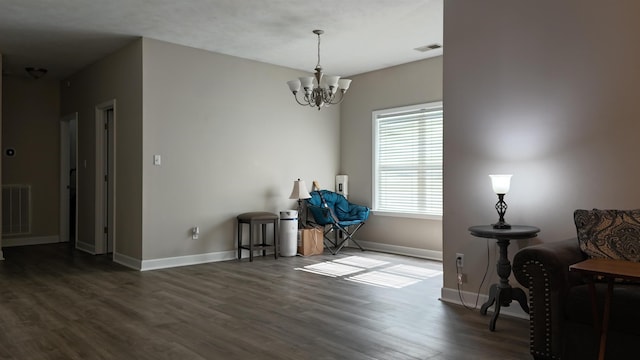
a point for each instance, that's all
(310, 241)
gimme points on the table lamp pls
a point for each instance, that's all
(501, 184)
(299, 192)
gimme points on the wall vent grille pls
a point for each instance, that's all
(16, 209)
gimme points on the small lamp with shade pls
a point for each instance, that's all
(501, 185)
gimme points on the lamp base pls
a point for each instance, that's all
(501, 207)
(501, 225)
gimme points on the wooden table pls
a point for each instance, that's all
(609, 270)
(502, 294)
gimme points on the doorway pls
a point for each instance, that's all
(104, 240)
(68, 178)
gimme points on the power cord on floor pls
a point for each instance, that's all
(484, 277)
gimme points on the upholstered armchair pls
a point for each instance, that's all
(561, 312)
(336, 214)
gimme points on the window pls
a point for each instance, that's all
(407, 168)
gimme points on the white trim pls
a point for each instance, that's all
(451, 296)
(37, 240)
(164, 263)
(401, 250)
(100, 109)
(127, 261)
(86, 247)
(407, 215)
(64, 179)
(155, 264)
(65, 168)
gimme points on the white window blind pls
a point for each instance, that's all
(408, 160)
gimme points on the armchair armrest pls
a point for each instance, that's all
(357, 212)
(321, 215)
(544, 270)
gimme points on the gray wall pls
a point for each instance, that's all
(30, 126)
(232, 140)
(119, 77)
(1, 147)
(547, 91)
(408, 84)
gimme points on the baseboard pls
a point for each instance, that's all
(155, 264)
(21, 241)
(401, 250)
(127, 261)
(452, 296)
(163, 263)
(86, 247)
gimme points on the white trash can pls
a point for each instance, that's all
(288, 233)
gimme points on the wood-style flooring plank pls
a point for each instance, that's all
(58, 303)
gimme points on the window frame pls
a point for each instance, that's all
(435, 105)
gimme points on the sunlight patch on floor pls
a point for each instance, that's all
(361, 262)
(392, 276)
(413, 271)
(383, 279)
(330, 268)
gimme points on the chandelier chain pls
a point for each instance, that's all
(318, 51)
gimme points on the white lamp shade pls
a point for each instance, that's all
(500, 183)
(307, 81)
(331, 80)
(299, 190)
(294, 85)
(344, 84)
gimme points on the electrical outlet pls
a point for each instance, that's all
(462, 278)
(195, 233)
(460, 260)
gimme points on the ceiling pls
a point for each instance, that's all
(360, 35)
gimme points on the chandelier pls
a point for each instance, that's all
(319, 90)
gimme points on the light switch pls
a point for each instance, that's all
(157, 160)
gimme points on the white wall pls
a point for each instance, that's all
(545, 90)
(232, 140)
(408, 84)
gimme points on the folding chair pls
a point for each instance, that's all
(335, 214)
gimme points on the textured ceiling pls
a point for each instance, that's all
(360, 35)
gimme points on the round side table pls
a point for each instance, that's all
(502, 294)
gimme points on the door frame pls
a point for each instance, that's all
(65, 169)
(101, 246)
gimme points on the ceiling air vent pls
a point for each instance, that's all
(428, 47)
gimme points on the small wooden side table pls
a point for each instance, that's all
(609, 270)
(258, 218)
(502, 294)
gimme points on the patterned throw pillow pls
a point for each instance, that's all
(611, 234)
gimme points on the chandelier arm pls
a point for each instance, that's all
(334, 96)
(310, 99)
(295, 96)
(327, 96)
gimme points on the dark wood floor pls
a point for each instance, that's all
(56, 303)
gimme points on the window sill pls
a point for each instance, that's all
(407, 215)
